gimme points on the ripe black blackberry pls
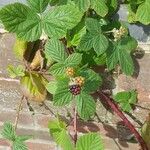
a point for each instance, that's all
(75, 89)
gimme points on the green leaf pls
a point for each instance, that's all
(100, 60)
(15, 71)
(93, 80)
(126, 99)
(112, 58)
(62, 95)
(57, 69)
(23, 138)
(100, 7)
(143, 12)
(8, 131)
(52, 87)
(19, 146)
(86, 106)
(58, 2)
(20, 19)
(73, 60)
(86, 42)
(74, 36)
(121, 54)
(132, 8)
(90, 141)
(126, 62)
(128, 43)
(83, 4)
(58, 131)
(93, 25)
(60, 19)
(55, 50)
(100, 44)
(112, 5)
(38, 5)
(94, 38)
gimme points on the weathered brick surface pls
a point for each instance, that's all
(35, 123)
(141, 82)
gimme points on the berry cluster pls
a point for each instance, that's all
(119, 33)
(75, 89)
(75, 83)
(79, 80)
(70, 71)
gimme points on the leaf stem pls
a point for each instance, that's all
(116, 109)
(75, 126)
(18, 113)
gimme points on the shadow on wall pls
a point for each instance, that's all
(138, 31)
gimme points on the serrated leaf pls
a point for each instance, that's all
(100, 7)
(38, 5)
(143, 12)
(57, 69)
(112, 58)
(58, 2)
(74, 36)
(83, 4)
(86, 42)
(86, 106)
(55, 50)
(132, 8)
(100, 44)
(92, 80)
(100, 60)
(60, 19)
(94, 38)
(23, 138)
(20, 19)
(126, 62)
(19, 146)
(73, 60)
(62, 95)
(126, 99)
(15, 71)
(8, 131)
(58, 131)
(128, 43)
(90, 141)
(93, 25)
(52, 87)
(121, 54)
(112, 5)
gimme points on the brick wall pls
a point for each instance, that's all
(109, 125)
(114, 135)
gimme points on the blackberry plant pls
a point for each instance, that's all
(67, 40)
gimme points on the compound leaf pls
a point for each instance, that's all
(90, 141)
(86, 106)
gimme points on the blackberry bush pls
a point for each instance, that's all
(66, 40)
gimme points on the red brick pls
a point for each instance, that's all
(25, 119)
(41, 146)
(4, 142)
(35, 133)
(42, 120)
